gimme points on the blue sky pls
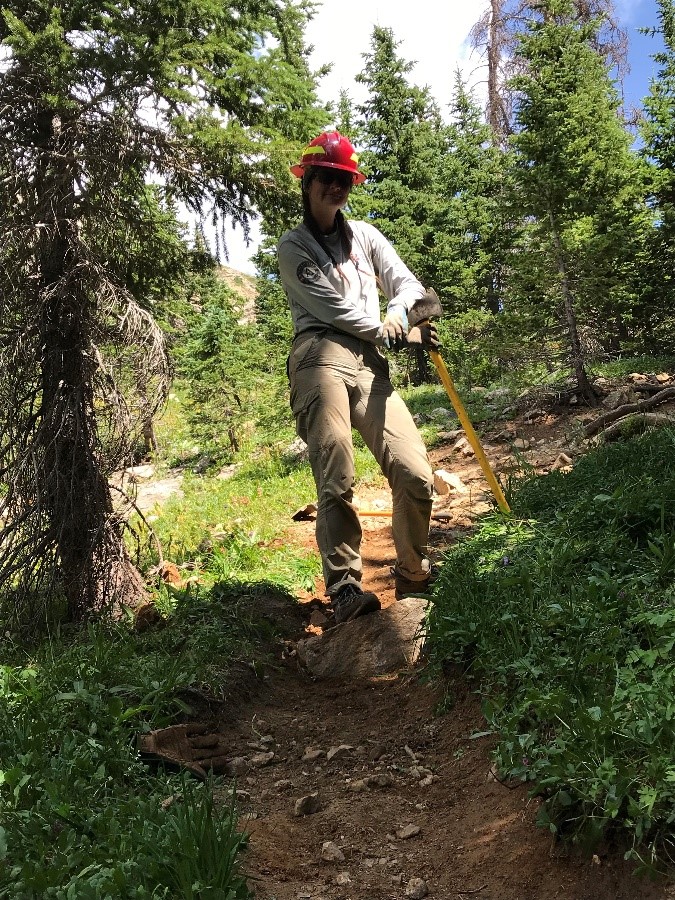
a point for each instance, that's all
(433, 34)
(636, 14)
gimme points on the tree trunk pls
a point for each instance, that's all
(576, 353)
(495, 102)
(76, 494)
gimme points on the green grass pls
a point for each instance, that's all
(643, 364)
(564, 615)
(80, 815)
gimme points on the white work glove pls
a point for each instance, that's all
(395, 328)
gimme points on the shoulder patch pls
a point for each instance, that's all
(308, 272)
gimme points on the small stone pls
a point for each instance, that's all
(440, 413)
(360, 785)
(259, 760)
(203, 464)
(297, 449)
(445, 481)
(562, 462)
(137, 473)
(308, 805)
(330, 852)
(228, 472)
(521, 444)
(450, 435)
(237, 765)
(343, 878)
(420, 772)
(338, 752)
(534, 414)
(416, 889)
(318, 619)
(407, 832)
(615, 399)
(283, 784)
(663, 377)
(310, 754)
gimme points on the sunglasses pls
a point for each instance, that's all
(329, 176)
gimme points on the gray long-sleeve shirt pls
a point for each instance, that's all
(344, 296)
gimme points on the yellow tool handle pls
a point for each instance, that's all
(471, 435)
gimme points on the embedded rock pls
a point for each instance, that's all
(376, 644)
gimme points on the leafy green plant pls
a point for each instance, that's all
(201, 849)
(563, 615)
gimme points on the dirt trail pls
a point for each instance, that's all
(458, 833)
(438, 821)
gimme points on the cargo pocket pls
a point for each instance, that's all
(301, 405)
(303, 352)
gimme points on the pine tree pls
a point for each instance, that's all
(658, 134)
(404, 143)
(470, 224)
(496, 37)
(211, 100)
(577, 177)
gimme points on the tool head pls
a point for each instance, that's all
(425, 308)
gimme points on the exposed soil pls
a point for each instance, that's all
(472, 836)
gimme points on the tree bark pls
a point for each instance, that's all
(76, 493)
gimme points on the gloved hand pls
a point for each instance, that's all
(424, 335)
(394, 329)
(192, 747)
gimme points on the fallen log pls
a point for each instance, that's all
(631, 424)
(622, 411)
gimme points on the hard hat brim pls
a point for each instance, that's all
(299, 170)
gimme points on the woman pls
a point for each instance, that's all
(330, 271)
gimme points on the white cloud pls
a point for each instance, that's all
(433, 34)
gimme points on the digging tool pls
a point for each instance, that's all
(421, 312)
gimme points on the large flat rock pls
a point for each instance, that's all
(377, 644)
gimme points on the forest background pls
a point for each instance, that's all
(543, 216)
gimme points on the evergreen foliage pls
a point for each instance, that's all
(210, 100)
(657, 323)
(578, 184)
(470, 219)
(404, 144)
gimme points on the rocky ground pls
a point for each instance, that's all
(380, 787)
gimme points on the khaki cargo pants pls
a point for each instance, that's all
(338, 383)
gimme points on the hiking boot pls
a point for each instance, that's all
(406, 587)
(350, 602)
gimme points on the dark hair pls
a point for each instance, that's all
(346, 235)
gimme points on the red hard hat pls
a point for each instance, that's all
(331, 150)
